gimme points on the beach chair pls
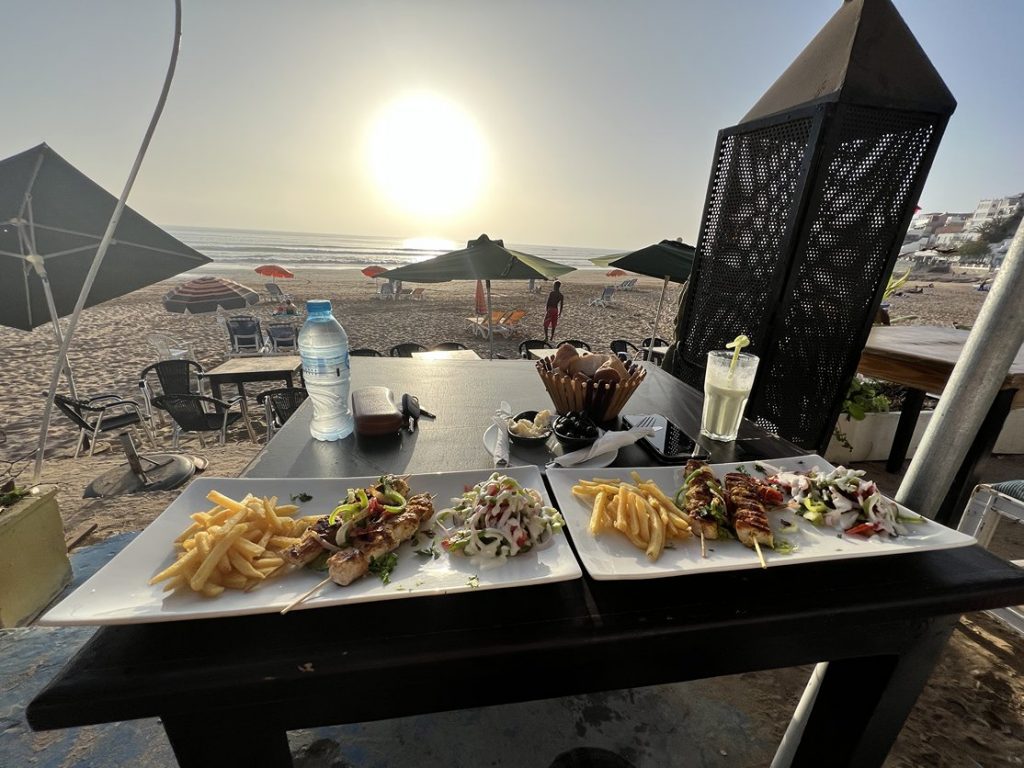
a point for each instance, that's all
(274, 293)
(988, 506)
(526, 346)
(417, 294)
(406, 349)
(364, 352)
(605, 299)
(578, 343)
(101, 413)
(279, 405)
(245, 335)
(479, 324)
(385, 292)
(628, 285)
(283, 337)
(510, 324)
(198, 414)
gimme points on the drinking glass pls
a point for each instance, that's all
(726, 393)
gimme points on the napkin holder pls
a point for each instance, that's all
(375, 413)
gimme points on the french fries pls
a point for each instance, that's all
(640, 511)
(234, 545)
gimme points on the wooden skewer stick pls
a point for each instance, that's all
(760, 556)
(305, 596)
(703, 548)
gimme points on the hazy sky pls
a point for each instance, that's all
(589, 122)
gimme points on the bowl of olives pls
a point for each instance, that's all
(575, 430)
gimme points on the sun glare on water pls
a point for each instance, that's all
(427, 156)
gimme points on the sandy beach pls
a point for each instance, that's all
(973, 710)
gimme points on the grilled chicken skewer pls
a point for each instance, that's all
(702, 500)
(747, 514)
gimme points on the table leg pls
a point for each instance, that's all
(911, 410)
(953, 505)
(862, 703)
(199, 742)
(215, 388)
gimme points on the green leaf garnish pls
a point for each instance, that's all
(383, 566)
(302, 497)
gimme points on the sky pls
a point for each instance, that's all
(558, 122)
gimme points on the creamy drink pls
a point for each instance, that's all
(726, 390)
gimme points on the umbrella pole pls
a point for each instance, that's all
(108, 235)
(60, 338)
(657, 319)
(490, 329)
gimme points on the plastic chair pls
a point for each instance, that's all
(364, 352)
(987, 505)
(282, 336)
(526, 346)
(175, 377)
(279, 405)
(245, 334)
(101, 413)
(448, 345)
(623, 347)
(169, 348)
(576, 343)
(406, 349)
(192, 413)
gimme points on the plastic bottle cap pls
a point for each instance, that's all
(315, 306)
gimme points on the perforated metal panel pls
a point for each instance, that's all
(755, 184)
(801, 228)
(842, 262)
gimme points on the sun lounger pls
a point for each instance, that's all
(605, 299)
(509, 326)
(628, 285)
(479, 324)
(275, 293)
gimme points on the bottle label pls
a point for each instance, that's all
(325, 366)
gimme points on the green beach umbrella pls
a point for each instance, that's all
(669, 260)
(481, 259)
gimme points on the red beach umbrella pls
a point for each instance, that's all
(273, 270)
(481, 300)
(615, 273)
(373, 270)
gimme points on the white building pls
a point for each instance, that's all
(995, 208)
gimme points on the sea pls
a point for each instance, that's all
(248, 248)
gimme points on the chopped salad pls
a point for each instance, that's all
(498, 519)
(842, 499)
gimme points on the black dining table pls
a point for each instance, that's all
(227, 690)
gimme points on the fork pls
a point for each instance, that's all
(646, 421)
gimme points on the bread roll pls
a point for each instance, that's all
(587, 365)
(607, 373)
(564, 355)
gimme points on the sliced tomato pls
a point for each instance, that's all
(864, 529)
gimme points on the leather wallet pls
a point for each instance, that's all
(375, 412)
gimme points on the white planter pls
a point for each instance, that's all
(34, 565)
(1011, 439)
(872, 438)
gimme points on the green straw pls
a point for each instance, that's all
(737, 345)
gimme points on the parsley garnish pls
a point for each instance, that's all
(383, 566)
(303, 497)
(428, 552)
(473, 581)
(742, 470)
(761, 469)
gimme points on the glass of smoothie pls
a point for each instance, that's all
(726, 390)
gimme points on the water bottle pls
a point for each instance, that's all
(323, 346)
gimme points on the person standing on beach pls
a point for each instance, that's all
(556, 302)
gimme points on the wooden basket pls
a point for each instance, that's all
(602, 401)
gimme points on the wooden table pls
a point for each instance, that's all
(542, 353)
(883, 622)
(239, 370)
(447, 354)
(922, 358)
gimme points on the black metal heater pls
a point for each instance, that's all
(809, 200)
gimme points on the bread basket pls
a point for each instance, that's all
(602, 401)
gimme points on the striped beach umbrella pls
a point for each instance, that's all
(205, 294)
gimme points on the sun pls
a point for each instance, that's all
(427, 156)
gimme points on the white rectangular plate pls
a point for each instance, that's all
(119, 593)
(610, 556)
